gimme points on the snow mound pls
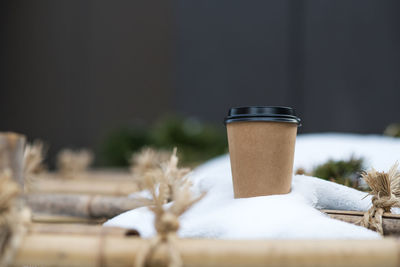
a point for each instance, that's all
(290, 216)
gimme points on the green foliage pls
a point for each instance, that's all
(393, 130)
(118, 145)
(196, 141)
(343, 172)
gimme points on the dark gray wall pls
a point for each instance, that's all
(70, 71)
(337, 62)
(73, 70)
(352, 65)
(232, 53)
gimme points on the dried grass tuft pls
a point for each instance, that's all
(385, 191)
(163, 169)
(9, 190)
(168, 182)
(384, 185)
(34, 155)
(72, 162)
(148, 159)
(13, 218)
(33, 163)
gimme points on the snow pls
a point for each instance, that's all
(291, 216)
(378, 151)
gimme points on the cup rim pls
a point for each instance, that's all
(262, 114)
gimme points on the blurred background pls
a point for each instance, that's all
(116, 75)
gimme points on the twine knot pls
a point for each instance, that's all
(385, 191)
(385, 202)
(167, 224)
(162, 251)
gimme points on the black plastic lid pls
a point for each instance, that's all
(262, 113)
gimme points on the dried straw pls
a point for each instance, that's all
(70, 162)
(147, 159)
(12, 147)
(385, 191)
(33, 162)
(33, 158)
(162, 167)
(13, 218)
(162, 249)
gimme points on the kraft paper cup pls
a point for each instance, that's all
(261, 147)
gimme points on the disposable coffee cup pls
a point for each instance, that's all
(261, 147)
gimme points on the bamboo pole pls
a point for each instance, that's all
(78, 229)
(390, 222)
(93, 186)
(67, 250)
(85, 206)
(103, 174)
(61, 219)
(12, 154)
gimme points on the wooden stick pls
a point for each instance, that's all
(67, 250)
(85, 206)
(12, 154)
(390, 222)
